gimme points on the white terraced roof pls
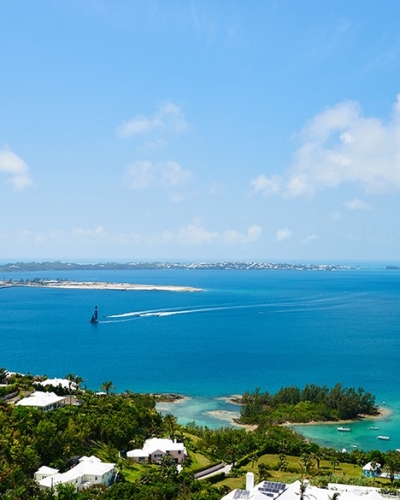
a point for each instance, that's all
(40, 399)
(156, 444)
(55, 382)
(88, 466)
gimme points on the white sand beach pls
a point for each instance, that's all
(98, 285)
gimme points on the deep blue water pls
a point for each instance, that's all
(247, 329)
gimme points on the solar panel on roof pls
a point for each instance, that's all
(241, 495)
(272, 487)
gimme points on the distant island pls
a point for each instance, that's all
(136, 266)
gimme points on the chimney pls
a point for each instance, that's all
(249, 481)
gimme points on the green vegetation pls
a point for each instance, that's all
(313, 403)
(110, 424)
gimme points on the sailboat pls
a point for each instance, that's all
(94, 318)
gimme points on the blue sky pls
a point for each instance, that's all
(199, 130)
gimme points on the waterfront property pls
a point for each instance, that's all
(372, 469)
(42, 401)
(89, 471)
(58, 382)
(155, 449)
(298, 489)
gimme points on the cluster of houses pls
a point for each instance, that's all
(91, 470)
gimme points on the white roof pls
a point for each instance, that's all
(136, 453)
(156, 444)
(369, 466)
(44, 469)
(55, 382)
(40, 399)
(292, 493)
(88, 466)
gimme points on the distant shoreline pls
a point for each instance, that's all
(98, 285)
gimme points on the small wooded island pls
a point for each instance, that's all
(310, 404)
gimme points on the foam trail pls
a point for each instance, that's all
(295, 305)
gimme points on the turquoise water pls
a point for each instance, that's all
(247, 329)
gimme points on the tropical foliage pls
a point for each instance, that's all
(312, 403)
(109, 424)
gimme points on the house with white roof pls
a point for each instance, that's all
(58, 382)
(270, 490)
(89, 471)
(372, 469)
(42, 401)
(155, 448)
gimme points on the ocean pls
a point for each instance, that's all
(246, 329)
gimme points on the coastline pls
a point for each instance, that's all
(100, 285)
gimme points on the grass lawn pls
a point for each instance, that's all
(326, 469)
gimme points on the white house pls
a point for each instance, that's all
(273, 490)
(42, 401)
(89, 471)
(155, 448)
(58, 382)
(372, 469)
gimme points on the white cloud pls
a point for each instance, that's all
(266, 185)
(145, 174)
(356, 204)
(340, 146)
(168, 117)
(173, 174)
(15, 166)
(253, 234)
(140, 175)
(194, 234)
(283, 234)
(309, 239)
(98, 231)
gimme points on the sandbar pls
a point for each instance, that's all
(103, 285)
(231, 417)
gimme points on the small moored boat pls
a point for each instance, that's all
(373, 428)
(344, 429)
(384, 438)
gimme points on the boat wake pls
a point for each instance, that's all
(264, 307)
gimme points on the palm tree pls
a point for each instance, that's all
(392, 464)
(107, 386)
(71, 378)
(263, 473)
(333, 459)
(77, 381)
(282, 462)
(170, 422)
(318, 455)
(303, 488)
